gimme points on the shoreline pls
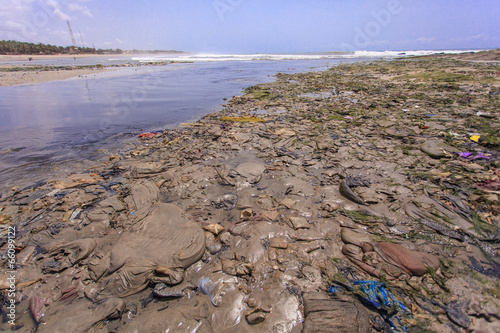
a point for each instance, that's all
(11, 75)
(27, 76)
(24, 57)
(13, 78)
(294, 186)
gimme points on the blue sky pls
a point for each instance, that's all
(256, 26)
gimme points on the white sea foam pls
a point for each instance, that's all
(235, 57)
(207, 57)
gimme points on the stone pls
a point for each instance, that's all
(215, 229)
(288, 203)
(77, 180)
(438, 149)
(270, 215)
(252, 172)
(5, 219)
(278, 243)
(413, 262)
(215, 247)
(284, 132)
(145, 169)
(246, 214)
(298, 222)
(377, 258)
(325, 314)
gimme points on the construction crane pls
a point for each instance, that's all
(81, 38)
(71, 33)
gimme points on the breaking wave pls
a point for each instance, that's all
(207, 57)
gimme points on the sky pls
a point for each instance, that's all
(256, 26)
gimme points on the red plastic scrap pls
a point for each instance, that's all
(149, 135)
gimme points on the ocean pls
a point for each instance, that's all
(55, 127)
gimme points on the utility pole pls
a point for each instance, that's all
(71, 33)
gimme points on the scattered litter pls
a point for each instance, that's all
(243, 119)
(228, 201)
(376, 294)
(244, 198)
(475, 138)
(208, 287)
(75, 214)
(149, 135)
(471, 156)
(485, 115)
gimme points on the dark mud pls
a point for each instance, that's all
(265, 216)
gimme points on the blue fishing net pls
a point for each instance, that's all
(376, 294)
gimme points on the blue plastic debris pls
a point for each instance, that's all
(335, 289)
(60, 195)
(379, 296)
(208, 287)
(376, 294)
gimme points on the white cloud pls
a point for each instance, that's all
(15, 17)
(76, 7)
(12, 7)
(56, 7)
(16, 11)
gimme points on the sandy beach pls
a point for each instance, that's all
(28, 73)
(25, 57)
(287, 211)
(29, 77)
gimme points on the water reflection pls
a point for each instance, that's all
(66, 121)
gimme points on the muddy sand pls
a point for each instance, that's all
(14, 75)
(356, 199)
(11, 74)
(11, 78)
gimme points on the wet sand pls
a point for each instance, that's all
(24, 57)
(29, 73)
(30, 77)
(26, 74)
(241, 222)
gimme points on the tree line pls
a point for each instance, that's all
(12, 47)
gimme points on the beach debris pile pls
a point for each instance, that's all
(349, 200)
